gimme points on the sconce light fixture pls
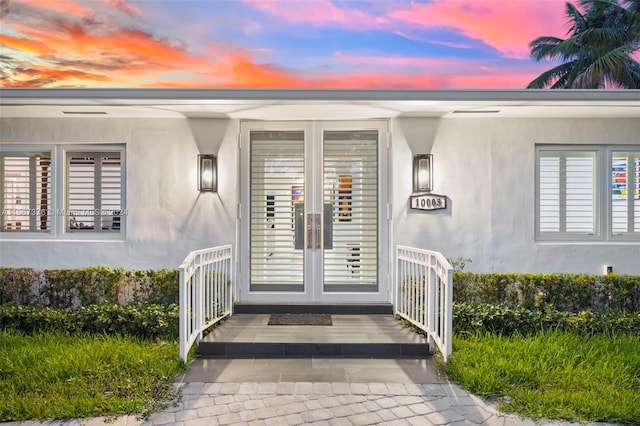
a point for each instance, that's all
(422, 173)
(207, 173)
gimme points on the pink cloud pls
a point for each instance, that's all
(124, 6)
(419, 72)
(319, 13)
(509, 26)
(68, 7)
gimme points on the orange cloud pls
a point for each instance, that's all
(509, 26)
(46, 77)
(246, 73)
(25, 45)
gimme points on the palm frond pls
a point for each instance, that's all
(546, 78)
(576, 18)
(626, 76)
(612, 60)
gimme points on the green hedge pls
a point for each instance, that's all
(565, 292)
(506, 320)
(73, 288)
(143, 320)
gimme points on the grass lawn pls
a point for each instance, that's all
(554, 375)
(56, 376)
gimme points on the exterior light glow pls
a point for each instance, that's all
(422, 173)
(207, 173)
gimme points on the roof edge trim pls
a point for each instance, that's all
(12, 94)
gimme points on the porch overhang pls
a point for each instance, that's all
(292, 104)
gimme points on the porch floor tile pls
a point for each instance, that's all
(333, 370)
(253, 328)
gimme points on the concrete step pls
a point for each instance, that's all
(314, 308)
(309, 350)
(350, 336)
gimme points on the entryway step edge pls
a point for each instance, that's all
(312, 308)
(307, 350)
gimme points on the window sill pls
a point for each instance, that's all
(588, 243)
(71, 238)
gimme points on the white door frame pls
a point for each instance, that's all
(313, 291)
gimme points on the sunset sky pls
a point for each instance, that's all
(274, 43)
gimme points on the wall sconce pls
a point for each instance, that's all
(207, 173)
(422, 173)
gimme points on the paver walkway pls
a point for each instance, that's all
(319, 403)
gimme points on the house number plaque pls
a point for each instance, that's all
(428, 202)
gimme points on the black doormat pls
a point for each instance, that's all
(300, 319)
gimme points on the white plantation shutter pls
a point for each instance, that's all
(625, 193)
(26, 191)
(94, 191)
(580, 193)
(549, 194)
(567, 192)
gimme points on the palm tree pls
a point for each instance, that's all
(598, 51)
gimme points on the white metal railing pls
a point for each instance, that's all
(424, 294)
(205, 293)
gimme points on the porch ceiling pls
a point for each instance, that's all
(303, 104)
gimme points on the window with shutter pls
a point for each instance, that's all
(25, 191)
(570, 181)
(567, 193)
(94, 191)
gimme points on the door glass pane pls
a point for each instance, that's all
(277, 187)
(350, 176)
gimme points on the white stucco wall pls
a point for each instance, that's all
(486, 168)
(167, 216)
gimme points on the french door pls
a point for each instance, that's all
(313, 212)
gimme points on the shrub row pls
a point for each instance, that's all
(151, 321)
(143, 320)
(565, 292)
(505, 320)
(72, 288)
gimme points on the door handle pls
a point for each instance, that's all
(327, 235)
(318, 230)
(299, 226)
(309, 229)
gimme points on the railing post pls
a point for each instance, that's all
(183, 332)
(431, 301)
(199, 291)
(396, 280)
(448, 316)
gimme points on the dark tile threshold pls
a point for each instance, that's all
(311, 308)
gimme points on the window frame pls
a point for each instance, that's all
(59, 196)
(603, 196)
